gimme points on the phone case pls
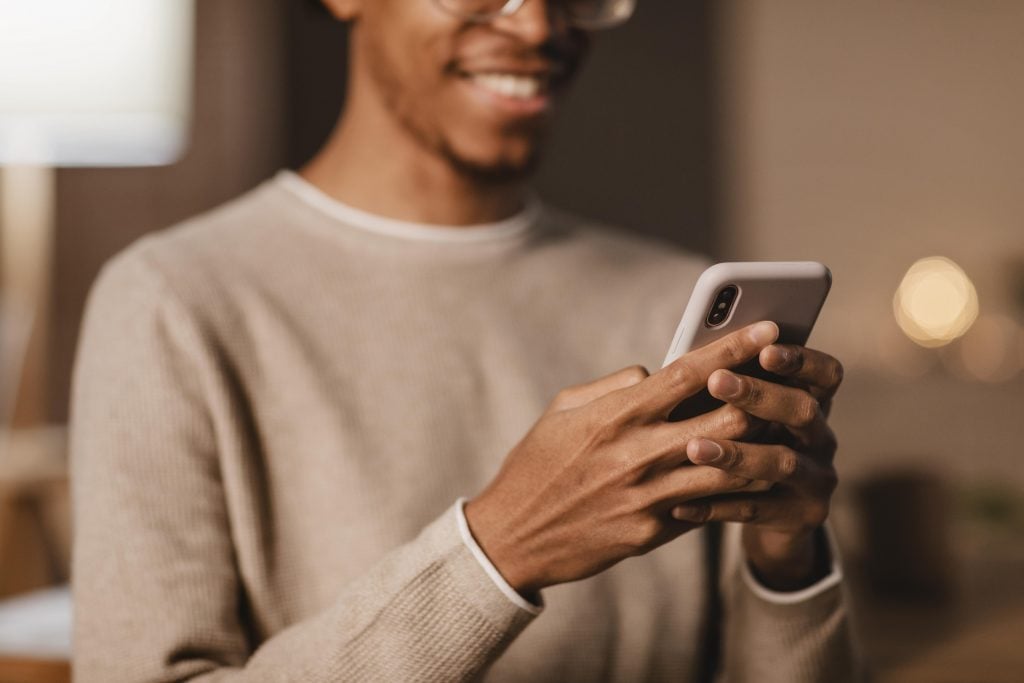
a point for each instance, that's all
(789, 293)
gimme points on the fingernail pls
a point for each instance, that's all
(705, 451)
(764, 333)
(684, 512)
(688, 513)
(727, 385)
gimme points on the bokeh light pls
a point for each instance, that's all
(936, 302)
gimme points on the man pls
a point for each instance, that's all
(278, 405)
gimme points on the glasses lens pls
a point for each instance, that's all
(595, 14)
(475, 9)
(586, 14)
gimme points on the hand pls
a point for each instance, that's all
(595, 479)
(780, 524)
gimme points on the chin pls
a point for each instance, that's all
(503, 163)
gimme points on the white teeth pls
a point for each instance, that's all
(510, 85)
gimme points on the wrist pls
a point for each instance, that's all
(501, 550)
(785, 561)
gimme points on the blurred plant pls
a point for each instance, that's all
(996, 505)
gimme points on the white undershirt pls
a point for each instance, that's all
(767, 594)
(422, 232)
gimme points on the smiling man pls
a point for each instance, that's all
(280, 406)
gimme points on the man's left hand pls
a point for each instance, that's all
(780, 524)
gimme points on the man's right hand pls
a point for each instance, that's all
(596, 478)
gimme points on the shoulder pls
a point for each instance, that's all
(195, 260)
(618, 252)
(215, 240)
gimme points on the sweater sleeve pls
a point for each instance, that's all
(157, 594)
(767, 636)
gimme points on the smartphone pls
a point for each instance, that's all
(729, 296)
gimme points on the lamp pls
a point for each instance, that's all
(97, 83)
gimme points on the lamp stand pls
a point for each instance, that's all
(27, 222)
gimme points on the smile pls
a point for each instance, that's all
(523, 87)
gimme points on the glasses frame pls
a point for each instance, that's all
(512, 6)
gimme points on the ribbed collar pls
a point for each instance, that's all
(352, 217)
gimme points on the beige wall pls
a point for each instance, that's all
(867, 135)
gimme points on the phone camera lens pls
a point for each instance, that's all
(722, 306)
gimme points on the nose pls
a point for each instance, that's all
(535, 23)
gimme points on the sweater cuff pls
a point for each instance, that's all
(508, 591)
(831, 580)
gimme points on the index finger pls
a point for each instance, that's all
(689, 373)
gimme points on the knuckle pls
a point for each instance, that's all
(622, 464)
(806, 413)
(747, 511)
(646, 533)
(737, 422)
(732, 456)
(734, 348)
(635, 374)
(602, 432)
(739, 483)
(836, 373)
(699, 513)
(790, 464)
(564, 398)
(638, 499)
(817, 514)
(753, 393)
(794, 358)
(627, 413)
(682, 375)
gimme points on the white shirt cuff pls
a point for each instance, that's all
(490, 569)
(833, 579)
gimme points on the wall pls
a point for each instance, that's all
(867, 135)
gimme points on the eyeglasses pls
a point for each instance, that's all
(585, 14)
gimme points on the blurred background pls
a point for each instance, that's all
(881, 138)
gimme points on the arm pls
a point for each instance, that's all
(801, 636)
(784, 612)
(157, 592)
(603, 475)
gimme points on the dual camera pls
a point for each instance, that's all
(722, 306)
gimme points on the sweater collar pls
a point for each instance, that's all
(352, 217)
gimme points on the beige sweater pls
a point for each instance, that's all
(276, 406)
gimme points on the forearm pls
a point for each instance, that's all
(426, 612)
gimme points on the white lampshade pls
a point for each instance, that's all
(94, 82)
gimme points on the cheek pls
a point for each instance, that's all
(405, 52)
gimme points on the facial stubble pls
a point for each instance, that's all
(431, 136)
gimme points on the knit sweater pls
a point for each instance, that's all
(276, 406)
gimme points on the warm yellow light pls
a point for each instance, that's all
(936, 302)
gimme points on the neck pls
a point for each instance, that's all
(371, 163)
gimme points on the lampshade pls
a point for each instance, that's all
(94, 82)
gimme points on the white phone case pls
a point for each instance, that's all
(789, 293)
